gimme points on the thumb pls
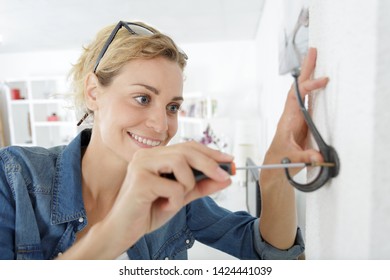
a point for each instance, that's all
(310, 155)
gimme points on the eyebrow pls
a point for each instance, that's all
(157, 92)
(152, 89)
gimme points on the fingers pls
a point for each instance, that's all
(149, 200)
(276, 175)
(308, 64)
(306, 83)
(204, 188)
(170, 195)
(164, 197)
(309, 155)
(197, 156)
(310, 85)
(181, 159)
(177, 165)
(206, 160)
(305, 88)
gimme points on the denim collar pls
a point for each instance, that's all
(67, 202)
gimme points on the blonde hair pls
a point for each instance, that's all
(124, 48)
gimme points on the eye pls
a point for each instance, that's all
(173, 108)
(142, 99)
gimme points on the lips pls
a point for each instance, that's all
(144, 141)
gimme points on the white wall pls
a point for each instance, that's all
(380, 208)
(348, 219)
(22, 65)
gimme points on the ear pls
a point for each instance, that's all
(90, 91)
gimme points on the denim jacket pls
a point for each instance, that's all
(42, 209)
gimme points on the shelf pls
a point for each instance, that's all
(47, 101)
(20, 102)
(54, 123)
(41, 97)
(196, 112)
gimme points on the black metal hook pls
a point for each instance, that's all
(329, 153)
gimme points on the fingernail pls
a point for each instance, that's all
(222, 173)
(314, 159)
(230, 157)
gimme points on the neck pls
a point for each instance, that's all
(102, 173)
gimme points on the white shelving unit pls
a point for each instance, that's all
(196, 112)
(28, 117)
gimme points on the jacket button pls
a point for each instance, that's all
(187, 241)
(166, 258)
(81, 219)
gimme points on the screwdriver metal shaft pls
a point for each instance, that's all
(230, 167)
(286, 165)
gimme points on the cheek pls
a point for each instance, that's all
(117, 115)
(172, 128)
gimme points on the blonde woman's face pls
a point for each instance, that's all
(139, 109)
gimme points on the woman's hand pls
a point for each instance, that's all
(147, 200)
(291, 135)
(278, 214)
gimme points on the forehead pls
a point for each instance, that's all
(157, 72)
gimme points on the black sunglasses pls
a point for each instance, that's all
(134, 29)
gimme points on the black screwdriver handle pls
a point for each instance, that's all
(229, 167)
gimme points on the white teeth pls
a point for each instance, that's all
(145, 141)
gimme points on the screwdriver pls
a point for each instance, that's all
(230, 167)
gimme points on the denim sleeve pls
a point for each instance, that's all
(268, 252)
(235, 233)
(7, 217)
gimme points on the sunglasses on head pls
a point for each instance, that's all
(134, 29)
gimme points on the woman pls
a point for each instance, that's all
(103, 196)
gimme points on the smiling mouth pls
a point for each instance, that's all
(142, 140)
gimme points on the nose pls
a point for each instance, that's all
(158, 120)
